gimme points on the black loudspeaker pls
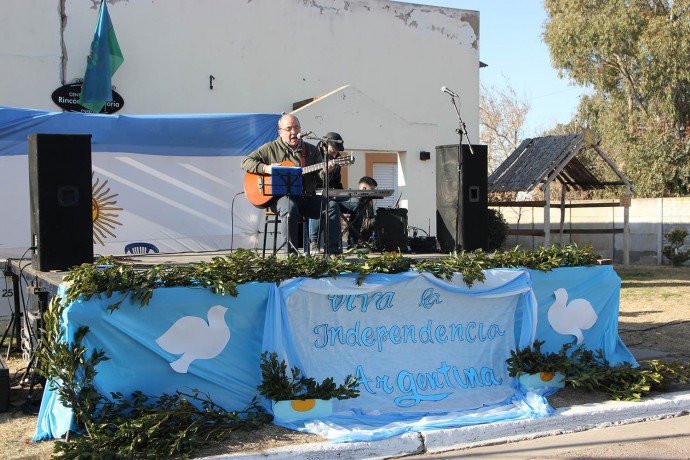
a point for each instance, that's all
(60, 193)
(391, 229)
(467, 222)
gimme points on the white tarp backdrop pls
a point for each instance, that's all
(171, 180)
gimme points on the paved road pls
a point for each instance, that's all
(660, 439)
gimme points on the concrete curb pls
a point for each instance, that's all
(398, 446)
(564, 420)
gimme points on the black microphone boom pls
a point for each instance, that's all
(448, 91)
(301, 135)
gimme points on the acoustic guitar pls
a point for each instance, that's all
(258, 190)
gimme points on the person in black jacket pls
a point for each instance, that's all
(331, 147)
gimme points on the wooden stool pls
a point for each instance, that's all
(272, 218)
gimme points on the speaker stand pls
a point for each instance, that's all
(460, 130)
(14, 328)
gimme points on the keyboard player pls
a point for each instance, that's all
(360, 214)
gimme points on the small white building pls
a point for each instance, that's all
(371, 70)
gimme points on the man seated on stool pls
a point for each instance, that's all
(362, 216)
(289, 147)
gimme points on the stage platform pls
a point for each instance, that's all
(416, 343)
(50, 280)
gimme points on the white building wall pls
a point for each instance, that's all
(265, 55)
(368, 126)
(650, 220)
(29, 53)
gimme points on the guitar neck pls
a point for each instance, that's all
(312, 168)
(340, 161)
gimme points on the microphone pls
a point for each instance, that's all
(446, 90)
(301, 135)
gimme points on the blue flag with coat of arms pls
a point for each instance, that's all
(104, 59)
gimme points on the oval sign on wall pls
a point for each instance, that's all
(67, 98)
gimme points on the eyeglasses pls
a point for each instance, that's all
(292, 128)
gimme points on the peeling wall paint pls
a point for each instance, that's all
(400, 53)
(264, 56)
(409, 14)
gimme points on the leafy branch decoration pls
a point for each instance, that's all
(277, 385)
(120, 281)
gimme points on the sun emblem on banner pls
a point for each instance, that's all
(103, 210)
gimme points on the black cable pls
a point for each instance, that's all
(24, 310)
(13, 314)
(30, 375)
(415, 230)
(17, 377)
(20, 378)
(6, 272)
(232, 220)
(22, 277)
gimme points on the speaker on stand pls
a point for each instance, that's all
(60, 196)
(465, 221)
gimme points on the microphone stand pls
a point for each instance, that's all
(460, 130)
(289, 182)
(323, 144)
(326, 180)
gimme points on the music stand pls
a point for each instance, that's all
(286, 181)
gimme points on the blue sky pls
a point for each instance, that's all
(511, 45)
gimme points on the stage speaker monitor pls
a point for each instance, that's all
(391, 229)
(461, 198)
(60, 196)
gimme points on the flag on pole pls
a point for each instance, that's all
(104, 59)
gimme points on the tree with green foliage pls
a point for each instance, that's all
(497, 229)
(635, 57)
(674, 252)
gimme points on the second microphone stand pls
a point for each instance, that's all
(327, 192)
(460, 130)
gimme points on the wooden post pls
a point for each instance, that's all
(626, 201)
(562, 212)
(547, 215)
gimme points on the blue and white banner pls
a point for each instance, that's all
(171, 180)
(185, 339)
(414, 342)
(428, 353)
(419, 347)
(579, 305)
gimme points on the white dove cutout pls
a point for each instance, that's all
(194, 338)
(571, 318)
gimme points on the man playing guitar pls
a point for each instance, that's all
(290, 148)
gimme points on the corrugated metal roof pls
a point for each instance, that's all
(538, 159)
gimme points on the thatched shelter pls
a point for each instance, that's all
(539, 162)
